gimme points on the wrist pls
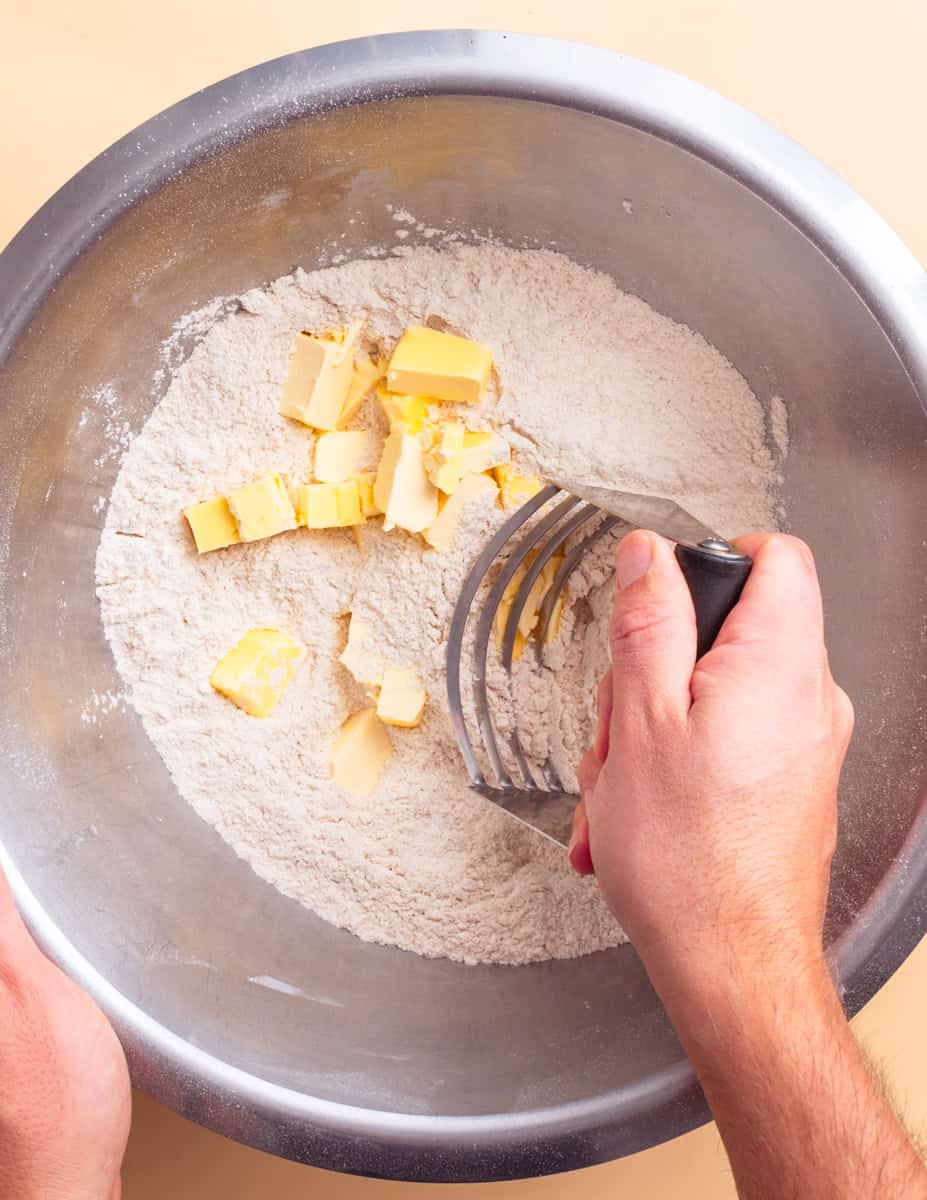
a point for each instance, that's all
(34, 1172)
(714, 990)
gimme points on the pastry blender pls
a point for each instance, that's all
(714, 571)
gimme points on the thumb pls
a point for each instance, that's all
(652, 632)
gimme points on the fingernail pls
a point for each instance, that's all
(635, 555)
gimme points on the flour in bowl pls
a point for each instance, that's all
(593, 385)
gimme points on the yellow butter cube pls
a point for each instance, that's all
(443, 446)
(500, 620)
(365, 481)
(406, 414)
(349, 503)
(440, 534)
(360, 654)
(515, 582)
(528, 618)
(340, 455)
(317, 505)
(499, 623)
(362, 749)
(212, 524)
(515, 489)
(367, 372)
(329, 505)
(551, 567)
(518, 646)
(255, 673)
(429, 363)
(402, 698)
(482, 450)
(531, 611)
(508, 598)
(556, 616)
(263, 508)
(402, 491)
(319, 377)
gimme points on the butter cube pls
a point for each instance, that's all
(367, 372)
(402, 491)
(365, 481)
(515, 582)
(360, 654)
(349, 503)
(402, 698)
(499, 624)
(262, 508)
(528, 618)
(329, 505)
(482, 450)
(212, 524)
(556, 616)
(531, 611)
(515, 489)
(338, 456)
(319, 379)
(406, 414)
(429, 363)
(440, 534)
(443, 445)
(500, 621)
(255, 672)
(362, 749)
(317, 502)
(508, 598)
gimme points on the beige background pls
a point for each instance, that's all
(74, 77)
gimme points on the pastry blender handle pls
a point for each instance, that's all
(716, 575)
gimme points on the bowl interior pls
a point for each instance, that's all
(147, 892)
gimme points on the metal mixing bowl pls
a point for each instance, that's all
(363, 1058)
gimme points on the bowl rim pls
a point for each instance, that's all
(883, 273)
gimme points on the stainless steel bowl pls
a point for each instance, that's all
(377, 1061)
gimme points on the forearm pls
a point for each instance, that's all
(709, 816)
(24, 1117)
(797, 1105)
(63, 1087)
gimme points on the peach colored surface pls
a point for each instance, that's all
(74, 77)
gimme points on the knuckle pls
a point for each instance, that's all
(794, 546)
(588, 773)
(21, 998)
(641, 624)
(845, 712)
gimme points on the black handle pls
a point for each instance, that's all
(716, 577)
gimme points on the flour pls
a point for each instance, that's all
(779, 427)
(593, 385)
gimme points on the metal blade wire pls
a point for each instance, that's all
(566, 569)
(459, 622)
(545, 806)
(543, 556)
(485, 623)
(557, 538)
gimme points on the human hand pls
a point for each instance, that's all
(65, 1100)
(709, 797)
